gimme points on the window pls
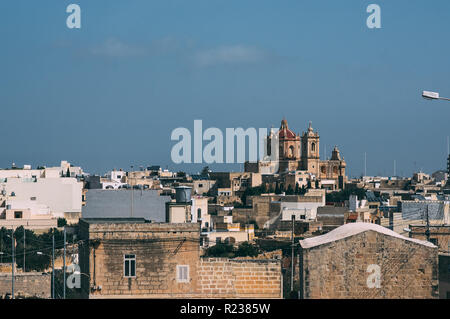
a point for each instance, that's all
(199, 213)
(182, 273)
(434, 241)
(291, 151)
(17, 214)
(33, 198)
(129, 266)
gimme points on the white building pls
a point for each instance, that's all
(199, 211)
(304, 208)
(116, 176)
(28, 214)
(301, 210)
(354, 203)
(40, 194)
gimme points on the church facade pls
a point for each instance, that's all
(301, 153)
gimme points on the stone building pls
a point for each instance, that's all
(202, 186)
(237, 182)
(439, 235)
(332, 217)
(130, 258)
(134, 258)
(363, 260)
(302, 153)
(193, 209)
(266, 208)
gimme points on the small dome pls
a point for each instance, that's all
(285, 132)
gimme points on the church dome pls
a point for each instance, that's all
(285, 132)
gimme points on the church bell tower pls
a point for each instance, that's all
(310, 151)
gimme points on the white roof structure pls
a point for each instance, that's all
(352, 229)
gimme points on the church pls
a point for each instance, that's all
(301, 153)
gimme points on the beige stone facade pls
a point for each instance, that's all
(237, 278)
(178, 212)
(303, 153)
(236, 182)
(439, 235)
(167, 264)
(26, 285)
(364, 260)
(202, 186)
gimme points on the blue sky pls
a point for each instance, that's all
(109, 95)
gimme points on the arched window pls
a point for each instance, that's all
(291, 151)
(313, 147)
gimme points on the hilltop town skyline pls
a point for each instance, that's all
(366, 162)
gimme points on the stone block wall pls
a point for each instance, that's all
(29, 285)
(340, 269)
(158, 248)
(231, 278)
(439, 235)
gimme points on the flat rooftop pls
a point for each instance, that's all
(116, 220)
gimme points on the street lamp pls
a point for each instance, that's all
(433, 96)
(43, 254)
(53, 267)
(132, 199)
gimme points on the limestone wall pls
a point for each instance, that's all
(340, 269)
(30, 285)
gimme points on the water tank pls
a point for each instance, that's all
(183, 194)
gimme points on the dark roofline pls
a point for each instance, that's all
(116, 220)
